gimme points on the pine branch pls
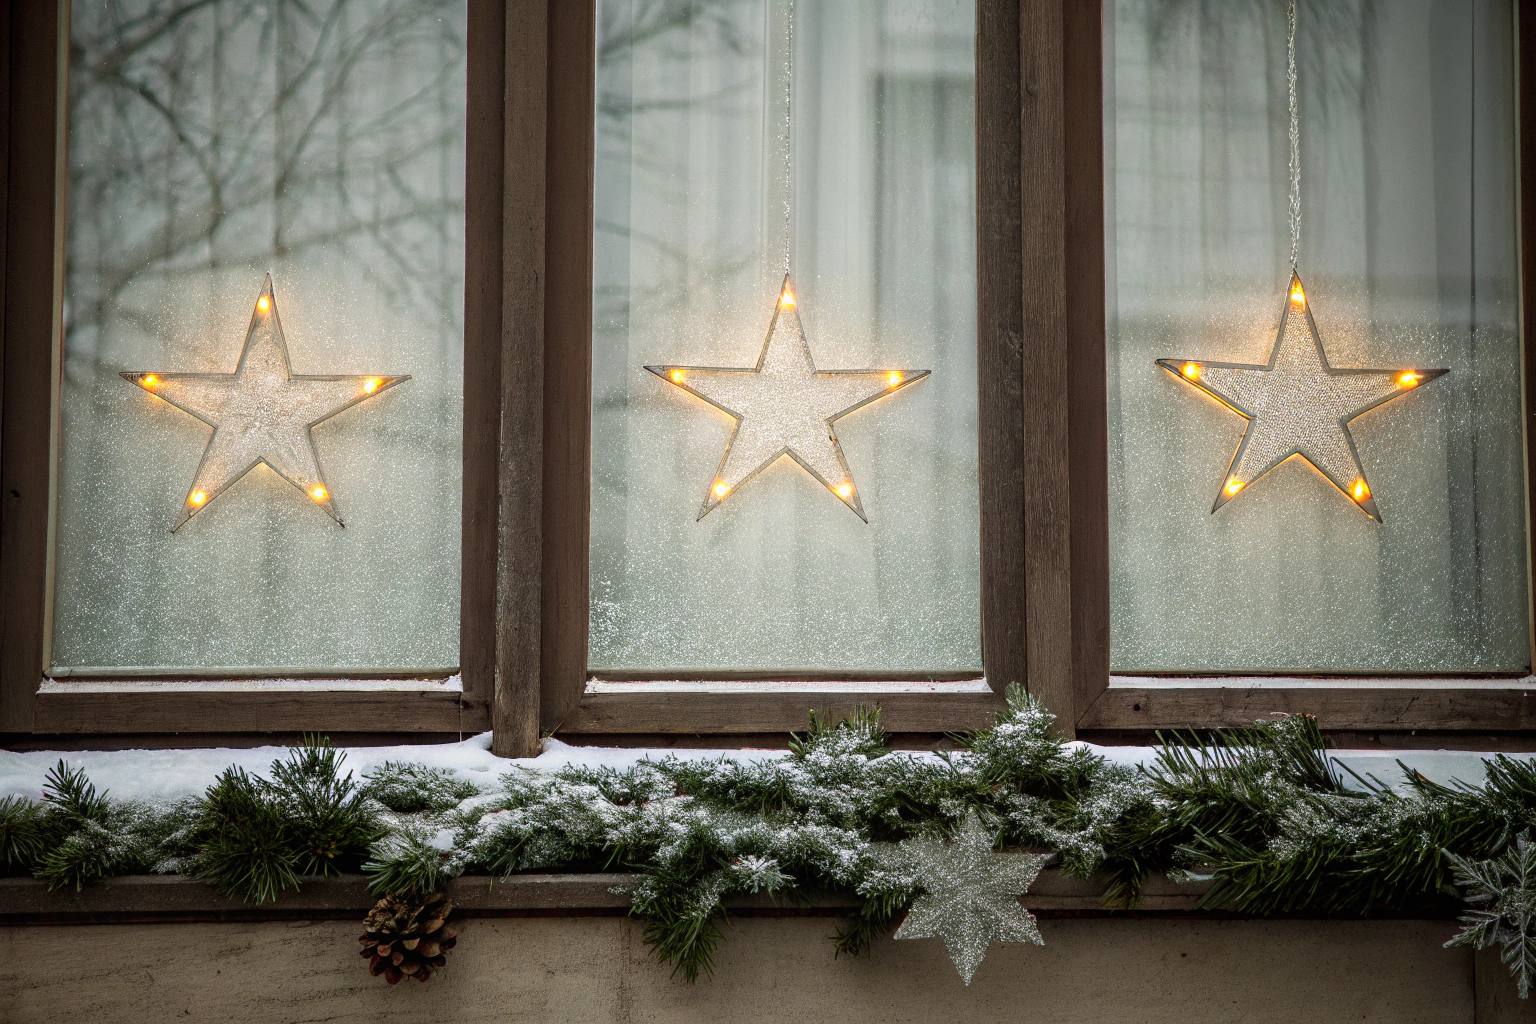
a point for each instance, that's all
(872, 921)
(1262, 811)
(22, 834)
(329, 823)
(70, 793)
(245, 848)
(407, 788)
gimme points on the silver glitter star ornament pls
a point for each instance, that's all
(1298, 404)
(261, 413)
(785, 406)
(971, 893)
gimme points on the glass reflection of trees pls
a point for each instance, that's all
(208, 133)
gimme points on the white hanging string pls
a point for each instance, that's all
(789, 125)
(1295, 131)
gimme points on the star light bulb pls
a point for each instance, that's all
(261, 414)
(1298, 404)
(784, 407)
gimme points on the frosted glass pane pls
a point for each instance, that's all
(209, 145)
(1409, 256)
(691, 197)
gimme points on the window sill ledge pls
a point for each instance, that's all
(140, 898)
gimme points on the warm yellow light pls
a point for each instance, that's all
(1298, 297)
(893, 378)
(1408, 380)
(198, 497)
(263, 303)
(845, 491)
(1191, 370)
(1234, 485)
(150, 380)
(1359, 490)
(319, 493)
(372, 384)
(787, 296)
(677, 376)
(722, 488)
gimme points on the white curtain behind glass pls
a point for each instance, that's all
(211, 143)
(1409, 257)
(690, 245)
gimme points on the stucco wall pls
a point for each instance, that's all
(556, 969)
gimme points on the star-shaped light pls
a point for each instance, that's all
(1297, 404)
(971, 893)
(261, 413)
(785, 406)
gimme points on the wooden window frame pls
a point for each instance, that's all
(1427, 709)
(31, 273)
(1025, 536)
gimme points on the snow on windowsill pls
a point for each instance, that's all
(1150, 682)
(595, 686)
(166, 775)
(452, 684)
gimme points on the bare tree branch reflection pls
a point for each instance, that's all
(206, 133)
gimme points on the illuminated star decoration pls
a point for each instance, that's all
(1297, 404)
(261, 413)
(970, 893)
(785, 406)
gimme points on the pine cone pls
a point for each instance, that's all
(406, 937)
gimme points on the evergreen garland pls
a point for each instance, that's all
(1262, 812)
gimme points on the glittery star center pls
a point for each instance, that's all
(784, 406)
(260, 414)
(1298, 404)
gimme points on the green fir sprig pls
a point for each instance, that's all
(1264, 813)
(254, 838)
(1501, 907)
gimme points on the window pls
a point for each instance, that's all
(1410, 259)
(239, 505)
(724, 170)
(210, 147)
(681, 268)
(1401, 551)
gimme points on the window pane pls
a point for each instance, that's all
(1409, 258)
(210, 145)
(782, 574)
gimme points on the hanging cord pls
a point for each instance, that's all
(1290, 90)
(789, 125)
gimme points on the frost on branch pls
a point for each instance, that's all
(1501, 898)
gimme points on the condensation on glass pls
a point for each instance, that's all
(211, 144)
(1409, 251)
(690, 243)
